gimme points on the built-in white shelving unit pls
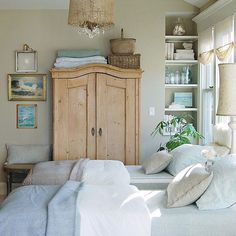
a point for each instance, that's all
(173, 38)
(192, 87)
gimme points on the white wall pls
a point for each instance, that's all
(47, 31)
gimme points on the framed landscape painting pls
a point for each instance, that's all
(27, 87)
(26, 116)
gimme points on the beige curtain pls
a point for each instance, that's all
(223, 42)
(206, 57)
(206, 51)
(224, 38)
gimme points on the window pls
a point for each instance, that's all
(214, 43)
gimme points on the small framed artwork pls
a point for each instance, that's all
(185, 98)
(26, 116)
(27, 87)
(26, 61)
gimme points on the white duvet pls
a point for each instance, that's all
(75, 209)
(98, 172)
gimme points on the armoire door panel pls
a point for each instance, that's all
(116, 137)
(81, 118)
(130, 123)
(60, 120)
(116, 117)
(79, 109)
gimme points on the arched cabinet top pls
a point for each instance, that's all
(71, 73)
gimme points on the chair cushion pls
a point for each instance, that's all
(28, 153)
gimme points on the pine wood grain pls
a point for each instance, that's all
(99, 98)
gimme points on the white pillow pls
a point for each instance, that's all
(157, 162)
(222, 190)
(28, 153)
(188, 185)
(105, 172)
(222, 135)
(184, 156)
(188, 154)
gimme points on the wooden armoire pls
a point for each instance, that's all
(96, 113)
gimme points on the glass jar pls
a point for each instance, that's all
(177, 77)
(179, 28)
(172, 78)
(167, 77)
(183, 78)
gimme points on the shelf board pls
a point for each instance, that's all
(181, 85)
(181, 62)
(183, 109)
(173, 38)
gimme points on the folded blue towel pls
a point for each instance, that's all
(78, 53)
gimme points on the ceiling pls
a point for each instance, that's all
(197, 3)
(60, 4)
(34, 4)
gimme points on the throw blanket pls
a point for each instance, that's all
(96, 172)
(78, 59)
(78, 53)
(68, 62)
(75, 209)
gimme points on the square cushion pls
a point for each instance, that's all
(157, 162)
(188, 185)
(188, 154)
(222, 190)
(28, 153)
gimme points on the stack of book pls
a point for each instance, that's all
(169, 51)
(184, 54)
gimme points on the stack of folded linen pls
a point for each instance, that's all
(75, 58)
(184, 54)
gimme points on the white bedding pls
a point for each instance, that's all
(188, 221)
(152, 181)
(98, 172)
(75, 210)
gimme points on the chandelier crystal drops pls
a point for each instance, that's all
(91, 17)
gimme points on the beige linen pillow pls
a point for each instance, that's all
(188, 185)
(157, 162)
(28, 153)
(50, 173)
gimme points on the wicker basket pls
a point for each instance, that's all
(125, 61)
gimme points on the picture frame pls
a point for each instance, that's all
(27, 87)
(26, 61)
(26, 117)
(184, 98)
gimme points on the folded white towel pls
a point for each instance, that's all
(73, 59)
(76, 64)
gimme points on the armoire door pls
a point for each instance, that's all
(74, 118)
(116, 119)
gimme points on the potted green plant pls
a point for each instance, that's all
(179, 130)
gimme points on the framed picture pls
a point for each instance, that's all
(185, 98)
(26, 116)
(27, 87)
(26, 61)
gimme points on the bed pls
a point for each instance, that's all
(74, 209)
(144, 181)
(188, 220)
(26, 207)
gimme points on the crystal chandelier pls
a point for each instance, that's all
(91, 16)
